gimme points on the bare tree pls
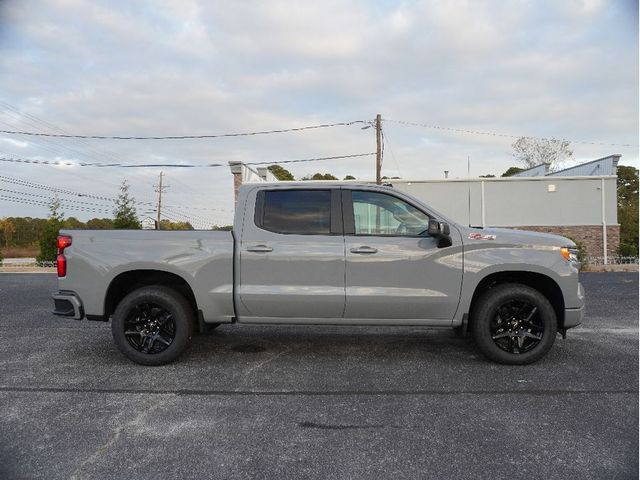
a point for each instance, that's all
(531, 152)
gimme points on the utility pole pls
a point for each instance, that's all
(159, 189)
(378, 148)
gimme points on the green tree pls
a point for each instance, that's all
(320, 176)
(8, 229)
(222, 228)
(488, 175)
(531, 152)
(125, 211)
(512, 171)
(349, 177)
(281, 173)
(48, 240)
(27, 231)
(73, 223)
(628, 210)
(169, 225)
(100, 224)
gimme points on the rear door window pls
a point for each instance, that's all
(303, 212)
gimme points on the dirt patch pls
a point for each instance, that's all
(26, 269)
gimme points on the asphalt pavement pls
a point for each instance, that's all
(316, 402)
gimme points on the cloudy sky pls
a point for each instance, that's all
(565, 69)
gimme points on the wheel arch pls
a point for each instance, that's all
(126, 282)
(538, 281)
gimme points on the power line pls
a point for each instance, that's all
(12, 199)
(37, 123)
(109, 200)
(39, 186)
(312, 159)
(194, 223)
(67, 163)
(190, 215)
(49, 197)
(505, 135)
(191, 219)
(59, 147)
(385, 139)
(200, 208)
(183, 137)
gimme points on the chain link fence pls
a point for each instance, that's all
(613, 260)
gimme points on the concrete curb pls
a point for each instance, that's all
(612, 268)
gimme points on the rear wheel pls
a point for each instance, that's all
(514, 324)
(153, 325)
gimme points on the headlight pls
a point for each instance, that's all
(570, 254)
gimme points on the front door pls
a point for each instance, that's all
(292, 255)
(394, 270)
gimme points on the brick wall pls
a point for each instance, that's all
(589, 235)
(237, 182)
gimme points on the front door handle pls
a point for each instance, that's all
(259, 248)
(364, 249)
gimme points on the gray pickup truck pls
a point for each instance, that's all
(323, 254)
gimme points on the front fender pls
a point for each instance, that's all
(484, 259)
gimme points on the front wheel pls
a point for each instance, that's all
(153, 325)
(513, 324)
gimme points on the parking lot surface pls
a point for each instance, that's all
(316, 402)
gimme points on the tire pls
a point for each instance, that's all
(513, 324)
(153, 325)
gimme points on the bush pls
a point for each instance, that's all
(628, 250)
(48, 241)
(583, 259)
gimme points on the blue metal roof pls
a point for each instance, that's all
(537, 171)
(600, 167)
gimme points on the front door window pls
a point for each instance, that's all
(381, 214)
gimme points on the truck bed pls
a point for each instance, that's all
(204, 259)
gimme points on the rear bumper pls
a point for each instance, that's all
(67, 304)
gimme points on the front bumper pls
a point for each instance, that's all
(67, 304)
(573, 317)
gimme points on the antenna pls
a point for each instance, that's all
(469, 187)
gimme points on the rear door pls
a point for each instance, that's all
(292, 255)
(393, 269)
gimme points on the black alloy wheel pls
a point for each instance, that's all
(517, 328)
(513, 324)
(150, 328)
(153, 325)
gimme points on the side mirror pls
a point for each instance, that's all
(441, 231)
(437, 228)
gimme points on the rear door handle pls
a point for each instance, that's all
(259, 248)
(364, 249)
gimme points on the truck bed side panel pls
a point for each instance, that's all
(203, 259)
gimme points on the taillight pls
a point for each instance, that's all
(63, 242)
